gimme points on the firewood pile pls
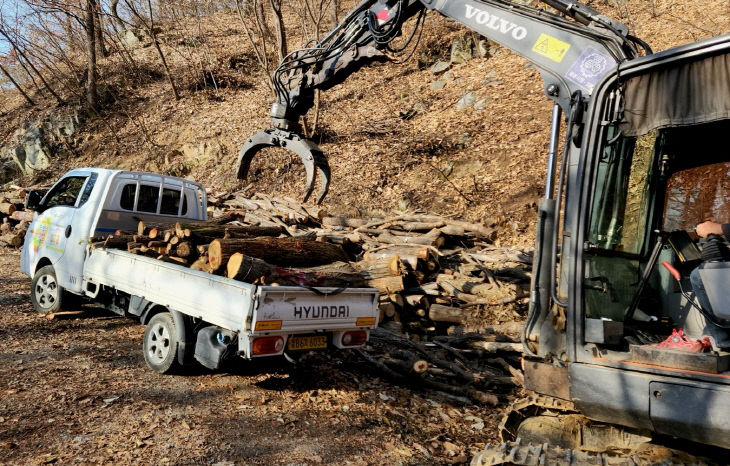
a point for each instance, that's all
(435, 274)
(14, 220)
(467, 368)
(437, 279)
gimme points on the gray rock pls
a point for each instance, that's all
(30, 147)
(462, 50)
(482, 104)
(439, 67)
(466, 101)
(129, 38)
(438, 85)
(482, 48)
(8, 170)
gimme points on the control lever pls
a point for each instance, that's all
(662, 237)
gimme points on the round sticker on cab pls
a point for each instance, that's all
(40, 233)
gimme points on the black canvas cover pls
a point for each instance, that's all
(680, 95)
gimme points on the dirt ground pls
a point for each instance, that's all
(77, 390)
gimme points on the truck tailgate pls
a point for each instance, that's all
(297, 309)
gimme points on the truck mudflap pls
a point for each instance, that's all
(294, 309)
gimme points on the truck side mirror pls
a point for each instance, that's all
(33, 200)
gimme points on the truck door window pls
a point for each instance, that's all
(171, 202)
(126, 200)
(88, 188)
(65, 192)
(148, 197)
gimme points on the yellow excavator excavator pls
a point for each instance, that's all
(617, 270)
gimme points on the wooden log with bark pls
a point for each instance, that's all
(277, 251)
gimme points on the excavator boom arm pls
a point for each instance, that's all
(571, 56)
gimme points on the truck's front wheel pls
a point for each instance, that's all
(45, 293)
(160, 343)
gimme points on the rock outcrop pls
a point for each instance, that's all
(32, 146)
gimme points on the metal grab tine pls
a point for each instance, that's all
(312, 157)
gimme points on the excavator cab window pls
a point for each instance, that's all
(618, 228)
(653, 190)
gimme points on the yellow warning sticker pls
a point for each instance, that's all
(548, 46)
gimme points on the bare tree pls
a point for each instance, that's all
(92, 96)
(114, 7)
(101, 50)
(22, 56)
(15, 83)
(256, 35)
(152, 31)
(280, 28)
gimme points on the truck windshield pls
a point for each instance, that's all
(65, 192)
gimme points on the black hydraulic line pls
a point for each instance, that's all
(644, 45)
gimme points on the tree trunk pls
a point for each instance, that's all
(281, 43)
(288, 252)
(17, 86)
(441, 313)
(115, 14)
(334, 12)
(92, 97)
(388, 285)
(101, 50)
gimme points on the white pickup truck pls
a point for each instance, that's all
(189, 314)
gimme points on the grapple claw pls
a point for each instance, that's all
(312, 157)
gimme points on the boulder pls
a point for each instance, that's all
(8, 170)
(439, 67)
(438, 85)
(31, 154)
(462, 50)
(129, 38)
(32, 145)
(466, 101)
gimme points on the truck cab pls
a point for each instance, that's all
(89, 202)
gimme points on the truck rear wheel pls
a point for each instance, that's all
(45, 294)
(160, 344)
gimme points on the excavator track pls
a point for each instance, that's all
(541, 430)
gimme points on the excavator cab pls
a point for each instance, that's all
(628, 333)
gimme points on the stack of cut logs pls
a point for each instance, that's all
(471, 367)
(14, 220)
(436, 275)
(439, 281)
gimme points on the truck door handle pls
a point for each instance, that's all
(68, 231)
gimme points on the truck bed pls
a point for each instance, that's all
(232, 304)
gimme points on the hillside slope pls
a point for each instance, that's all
(395, 141)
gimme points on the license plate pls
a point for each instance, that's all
(305, 343)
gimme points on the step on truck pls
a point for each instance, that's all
(189, 314)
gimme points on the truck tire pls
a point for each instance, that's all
(45, 293)
(160, 344)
